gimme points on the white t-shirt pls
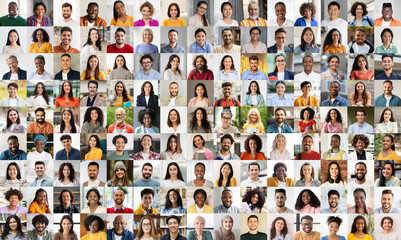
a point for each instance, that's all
(91, 25)
(14, 77)
(388, 101)
(386, 24)
(65, 76)
(172, 102)
(360, 49)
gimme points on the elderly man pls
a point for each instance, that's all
(15, 72)
(120, 126)
(253, 19)
(118, 231)
(228, 45)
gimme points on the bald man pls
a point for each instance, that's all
(118, 231)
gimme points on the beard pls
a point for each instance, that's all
(40, 121)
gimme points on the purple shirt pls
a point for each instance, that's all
(19, 209)
(141, 23)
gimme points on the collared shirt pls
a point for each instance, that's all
(276, 101)
(381, 101)
(308, 49)
(392, 49)
(35, 128)
(169, 49)
(273, 128)
(259, 75)
(232, 75)
(328, 211)
(152, 75)
(46, 182)
(6, 155)
(356, 128)
(249, 22)
(250, 183)
(60, 49)
(366, 22)
(205, 75)
(392, 210)
(393, 76)
(303, 76)
(32, 235)
(33, 21)
(74, 154)
(195, 48)
(98, 21)
(338, 101)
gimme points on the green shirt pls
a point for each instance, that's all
(257, 236)
(392, 49)
(12, 21)
(114, 156)
(32, 235)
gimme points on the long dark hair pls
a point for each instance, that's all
(338, 119)
(179, 174)
(224, 58)
(204, 88)
(314, 201)
(88, 68)
(62, 93)
(140, 141)
(204, 19)
(7, 229)
(169, 204)
(72, 123)
(18, 170)
(87, 117)
(44, 94)
(124, 65)
(283, 232)
(46, 37)
(392, 140)
(170, 59)
(72, 172)
(36, 195)
(249, 87)
(177, 140)
(365, 227)
(339, 178)
(382, 115)
(303, 43)
(329, 38)
(115, 13)
(89, 41)
(355, 65)
(248, 196)
(361, 190)
(220, 182)
(205, 124)
(382, 179)
(364, 94)
(125, 93)
(275, 59)
(8, 37)
(97, 142)
(9, 122)
(71, 221)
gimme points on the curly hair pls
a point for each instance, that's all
(230, 175)
(203, 58)
(40, 219)
(365, 226)
(311, 113)
(283, 231)
(334, 219)
(314, 202)
(338, 119)
(90, 219)
(87, 116)
(386, 218)
(71, 177)
(119, 136)
(360, 137)
(13, 192)
(179, 174)
(258, 141)
(168, 203)
(382, 115)
(143, 112)
(307, 5)
(7, 229)
(60, 197)
(96, 192)
(60, 230)
(46, 37)
(148, 5)
(205, 124)
(329, 38)
(248, 197)
(355, 5)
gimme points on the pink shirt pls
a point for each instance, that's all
(309, 209)
(141, 23)
(328, 127)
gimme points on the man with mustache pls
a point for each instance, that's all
(40, 126)
(13, 152)
(173, 100)
(387, 200)
(67, 20)
(334, 199)
(226, 141)
(228, 45)
(307, 233)
(307, 153)
(118, 231)
(65, 45)
(119, 197)
(146, 181)
(280, 197)
(387, 19)
(12, 19)
(201, 72)
(253, 19)
(254, 73)
(360, 172)
(227, 203)
(173, 223)
(93, 99)
(279, 126)
(92, 19)
(40, 223)
(93, 172)
(360, 44)
(120, 126)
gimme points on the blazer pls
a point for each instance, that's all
(17, 129)
(21, 75)
(99, 101)
(71, 75)
(288, 75)
(141, 101)
(273, 49)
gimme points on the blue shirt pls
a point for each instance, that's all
(6, 155)
(339, 101)
(311, 49)
(327, 210)
(72, 155)
(276, 101)
(366, 22)
(195, 48)
(393, 76)
(232, 75)
(248, 75)
(300, 22)
(381, 101)
(153, 75)
(128, 235)
(146, 48)
(365, 128)
(46, 182)
(273, 128)
(170, 49)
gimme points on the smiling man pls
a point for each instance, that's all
(66, 199)
(67, 73)
(226, 141)
(174, 99)
(92, 19)
(334, 9)
(388, 64)
(145, 207)
(227, 100)
(307, 233)
(147, 72)
(146, 181)
(307, 152)
(253, 233)
(360, 44)
(387, 201)
(280, 36)
(118, 231)
(308, 74)
(119, 141)
(119, 197)
(40, 125)
(67, 20)
(253, 180)
(65, 45)
(280, 198)
(335, 153)
(120, 126)
(68, 153)
(227, 201)
(13, 152)
(12, 100)
(119, 46)
(12, 18)
(228, 45)
(253, 19)
(333, 197)
(334, 99)
(279, 126)
(40, 223)
(173, 46)
(201, 71)
(360, 126)
(360, 172)
(387, 20)
(15, 72)
(93, 99)
(41, 180)
(254, 73)
(93, 172)
(173, 223)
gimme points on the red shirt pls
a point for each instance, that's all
(126, 210)
(309, 156)
(225, 103)
(205, 75)
(126, 49)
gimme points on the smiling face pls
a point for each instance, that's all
(227, 224)
(255, 35)
(67, 11)
(173, 11)
(120, 172)
(333, 201)
(146, 143)
(41, 198)
(119, 8)
(280, 11)
(66, 171)
(254, 65)
(12, 64)
(119, 37)
(66, 198)
(66, 62)
(145, 13)
(387, 143)
(253, 11)
(93, 171)
(308, 64)
(359, 199)
(200, 200)
(225, 171)
(307, 170)
(147, 36)
(66, 87)
(12, 9)
(253, 171)
(307, 225)
(335, 143)
(94, 227)
(387, 63)
(147, 120)
(308, 37)
(13, 200)
(200, 38)
(175, 63)
(333, 170)
(387, 200)
(118, 197)
(199, 172)
(173, 197)
(40, 11)
(198, 142)
(119, 224)
(40, 227)
(387, 115)
(173, 88)
(13, 37)
(173, 225)
(255, 199)
(360, 37)
(360, 225)
(227, 198)
(93, 11)
(279, 225)
(92, 142)
(387, 171)
(360, 117)
(227, 11)
(307, 144)
(66, 38)
(359, 11)
(147, 200)
(387, 225)
(39, 145)
(93, 198)
(333, 114)
(12, 172)
(173, 116)
(93, 63)
(13, 224)
(13, 116)
(199, 115)
(173, 171)
(202, 9)
(227, 37)
(387, 13)
(387, 88)
(172, 37)
(253, 145)
(120, 144)
(333, 228)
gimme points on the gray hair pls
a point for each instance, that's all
(274, 145)
(253, 3)
(226, 111)
(122, 109)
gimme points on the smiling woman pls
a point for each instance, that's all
(94, 226)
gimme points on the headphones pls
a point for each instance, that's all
(336, 181)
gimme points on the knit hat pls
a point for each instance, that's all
(118, 165)
(41, 137)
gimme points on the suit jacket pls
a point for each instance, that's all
(288, 75)
(101, 184)
(141, 101)
(71, 75)
(99, 102)
(273, 49)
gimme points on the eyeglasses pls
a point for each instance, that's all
(333, 198)
(202, 8)
(306, 224)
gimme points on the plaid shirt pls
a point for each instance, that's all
(31, 21)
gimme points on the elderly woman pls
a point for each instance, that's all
(307, 176)
(279, 152)
(147, 46)
(198, 233)
(13, 196)
(39, 153)
(224, 231)
(279, 178)
(226, 127)
(200, 197)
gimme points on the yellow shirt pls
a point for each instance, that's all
(391, 156)
(95, 236)
(128, 23)
(46, 48)
(251, 23)
(206, 209)
(179, 23)
(233, 182)
(300, 102)
(118, 101)
(101, 77)
(333, 49)
(94, 154)
(259, 126)
(352, 237)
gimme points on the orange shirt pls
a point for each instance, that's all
(60, 102)
(34, 208)
(248, 156)
(35, 128)
(60, 49)
(379, 22)
(99, 22)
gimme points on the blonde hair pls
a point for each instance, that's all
(199, 218)
(148, 30)
(257, 113)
